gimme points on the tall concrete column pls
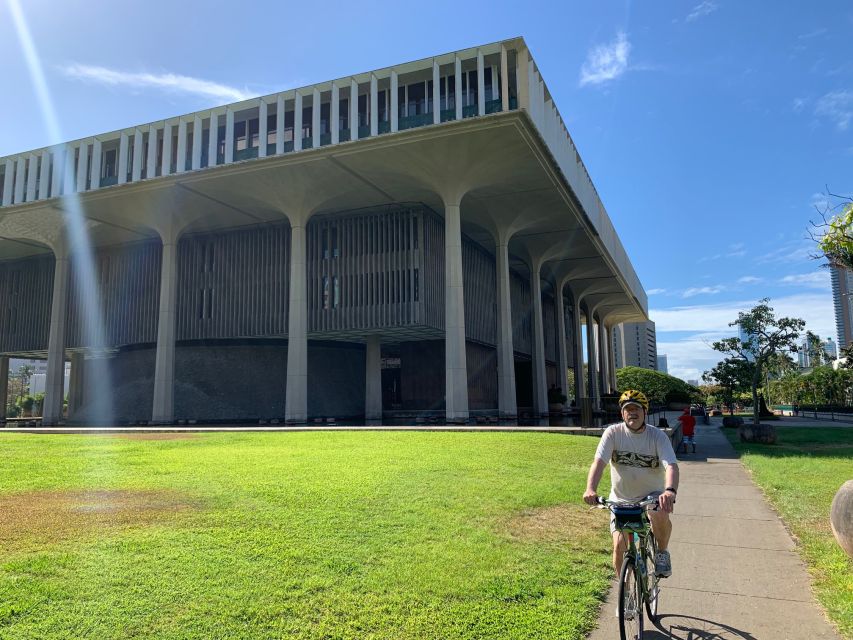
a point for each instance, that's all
(296, 402)
(592, 359)
(75, 384)
(455, 365)
(507, 402)
(4, 387)
(562, 358)
(540, 379)
(577, 353)
(163, 411)
(373, 378)
(54, 393)
(602, 357)
(611, 360)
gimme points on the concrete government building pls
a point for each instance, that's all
(422, 239)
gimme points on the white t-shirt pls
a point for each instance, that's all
(637, 460)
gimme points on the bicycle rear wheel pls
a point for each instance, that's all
(652, 581)
(630, 605)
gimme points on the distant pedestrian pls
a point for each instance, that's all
(688, 428)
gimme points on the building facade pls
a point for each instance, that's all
(663, 364)
(422, 238)
(635, 345)
(842, 287)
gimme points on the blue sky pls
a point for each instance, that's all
(711, 128)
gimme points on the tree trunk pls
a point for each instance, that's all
(755, 380)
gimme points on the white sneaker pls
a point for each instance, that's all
(663, 564)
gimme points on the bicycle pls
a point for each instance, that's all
(638, 584)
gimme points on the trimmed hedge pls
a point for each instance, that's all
(659, 387)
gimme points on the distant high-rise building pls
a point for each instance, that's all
(695, 383)
(842, 287)
(635, 345)
(830, 349)
(745, 337)
(663, 365)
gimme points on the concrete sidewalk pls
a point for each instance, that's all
(736, 573)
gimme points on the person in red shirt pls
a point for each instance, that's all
(688, 428)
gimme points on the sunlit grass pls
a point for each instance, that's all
(800, 475)
(300, 535)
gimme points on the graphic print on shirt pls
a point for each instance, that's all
(631, 459)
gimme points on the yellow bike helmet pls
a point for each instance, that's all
(632, 396)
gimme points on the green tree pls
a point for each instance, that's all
(834, 236)
(655, 384)
(767, 335)
(733, 375)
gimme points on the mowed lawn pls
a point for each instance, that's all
(299, 535)
(800, 475)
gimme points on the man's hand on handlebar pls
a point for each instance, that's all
(666, 501)
(590, 497)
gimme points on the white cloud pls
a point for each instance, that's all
(815, 308)
(788, 253)
(750, 280)
(606, 62)
(695, 291)
(799, 104)
(836, 106)
(654, 292)
(701, 10)
(812, 34)
(692, 354)
(815, 280)
(168, 82)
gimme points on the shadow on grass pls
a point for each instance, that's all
(814, 442)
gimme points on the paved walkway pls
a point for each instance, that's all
(736, 573)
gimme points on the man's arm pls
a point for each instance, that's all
(592, 480)
(666, 500)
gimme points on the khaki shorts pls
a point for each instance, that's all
(613, 517)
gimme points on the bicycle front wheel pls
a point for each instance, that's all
(630, 602)
(653, 582)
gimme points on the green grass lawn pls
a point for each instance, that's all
(299, 535)
(800, 475)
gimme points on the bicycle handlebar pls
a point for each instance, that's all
(648, 501)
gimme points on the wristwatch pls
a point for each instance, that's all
(672, 489)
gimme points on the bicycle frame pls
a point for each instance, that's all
(638, 558)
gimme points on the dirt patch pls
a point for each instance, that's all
(155, 436)
(568, 524)
(37, 518)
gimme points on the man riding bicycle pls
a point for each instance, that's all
(642, 462)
